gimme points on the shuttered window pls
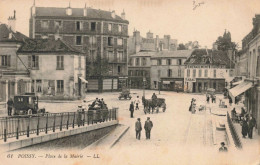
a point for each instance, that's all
(33, 62)
(5, 60)
(60, 62)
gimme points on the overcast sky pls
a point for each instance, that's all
(174, 17)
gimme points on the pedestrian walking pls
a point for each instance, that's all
(207, 98)
(10, 104)
(244, 127)
(148, 127)
(131, 109)
(138, 128)
(251, 125)
(223, 148)
(230, 101)
(137, 102)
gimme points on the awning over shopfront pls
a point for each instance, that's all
(242, 87)
(166, 82)
(83, 80)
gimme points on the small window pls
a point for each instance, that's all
(119, 69)
(110, 27)
(179, 62)
(119, 28)
(60, 62)
(78, 40)
(120, 56)
(206, 73)
(60, 86)
(200, 73)
(169, 73)
(78, 25)
(120, 41)
(58, 24)
(144, 61)
(5, 60)
(188, 72)
(215, 73)
(93, 26)
(110, 41)
(159, 62)
(194, 73)
(39, 86)
(137, 62)
(169, 61)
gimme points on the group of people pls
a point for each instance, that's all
(147, 127)
(213, 98)
(98, 103)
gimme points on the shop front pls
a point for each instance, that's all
(172, 84)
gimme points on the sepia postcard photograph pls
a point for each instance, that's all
(129, 82)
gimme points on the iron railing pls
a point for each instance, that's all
(16, 126)
(233, 131)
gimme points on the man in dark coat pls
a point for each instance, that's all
(244, 127)
(131, 109)
(251, 125)
(148, 126)
(10, 104)
(223, 148)
(138, 128)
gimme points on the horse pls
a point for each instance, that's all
(148, 104)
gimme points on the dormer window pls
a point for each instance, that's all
(45, 24)
(69, 11)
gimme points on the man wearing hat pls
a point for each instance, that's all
(148, 126)
(138, 128)
(223, 148)
(131, 109)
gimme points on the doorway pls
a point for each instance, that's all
(193, 87)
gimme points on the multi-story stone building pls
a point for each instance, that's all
(101, 35)
(13, 81)
(167, 69)
(56, 69)
(207, 69)
(139, 69)
(251, 85)
(138, 43)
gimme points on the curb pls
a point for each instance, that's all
(121, 135)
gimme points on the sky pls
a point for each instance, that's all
(162, 17)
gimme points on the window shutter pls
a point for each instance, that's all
(37, 62)
(29, 61)
(9, 60)
(62, 61)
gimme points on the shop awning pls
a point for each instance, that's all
(166, 82)
(242, 87)
(83, 80)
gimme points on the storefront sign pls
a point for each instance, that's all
(190, 79)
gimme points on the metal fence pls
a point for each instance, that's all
(233, 131)
(34, 124)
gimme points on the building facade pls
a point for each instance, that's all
(251, 45)
(167, 70)
(149, 43)
(207, 69)
(56, 69)
(139, 70)
(13, 81)
(101, 35)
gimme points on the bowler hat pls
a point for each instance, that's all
(222, 143)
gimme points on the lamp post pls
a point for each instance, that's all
(144, 82)
(159, 85)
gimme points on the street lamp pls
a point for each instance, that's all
(144, 81)
(159, 85)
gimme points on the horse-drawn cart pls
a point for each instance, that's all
(154, 104)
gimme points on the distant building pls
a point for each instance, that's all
(13, 81)
(101, 35)
(207, 69)
(167, 69)
(149, 43)
(139, 69)
(56, 69)
(192, 45)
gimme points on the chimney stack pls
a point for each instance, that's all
(12, 22)
(113, 14)
(123, 15)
